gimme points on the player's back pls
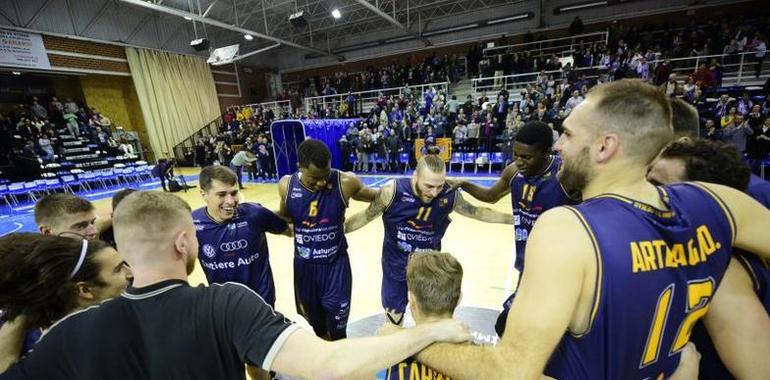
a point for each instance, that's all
(318, 218)
(656, 273)
(412, 225)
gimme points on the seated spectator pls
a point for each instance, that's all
(573, 102)
(38, 110)
(704, 76)
(744, 104)
(45, 145)
(126, 148)
(728, 118)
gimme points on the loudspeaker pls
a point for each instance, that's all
(200, 44)
(298, 19)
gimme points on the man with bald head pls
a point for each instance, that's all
(612, 287)
(162, 328)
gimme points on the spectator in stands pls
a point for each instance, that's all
(573, 102)
(70, 106)
(711, 131)
(731, 51)
(738, 132)
(704, 76)
(460, 133)
(576, 27)
(758, 147)
(716, 70)
(126, 148)
(669, 88)
(55, 108)
(38, 110)
(744, 104)
(692, 90)
(760, 49)
(488, 130)
(728, 118)
(722, 106)
(662, 72)
(393, 147)
(45, 146)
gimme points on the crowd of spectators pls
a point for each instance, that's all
(32, 133)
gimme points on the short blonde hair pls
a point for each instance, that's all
(148, 215)
(435, 279)
(431, 162)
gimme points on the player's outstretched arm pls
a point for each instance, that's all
(490, 194)
(307, 356)
(352, 187)
(484, 214)
(752, 220)
(375, 209)
(11, 342)
(739, 325)
(545, 307)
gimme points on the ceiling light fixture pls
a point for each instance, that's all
(188, 18)
(336, 13)
(248, 37)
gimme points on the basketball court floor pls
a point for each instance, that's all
(485, 251)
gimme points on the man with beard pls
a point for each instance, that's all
(613, 286)
(415, 213)
(531, 181)
(162, 328)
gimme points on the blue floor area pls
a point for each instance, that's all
(21, 218)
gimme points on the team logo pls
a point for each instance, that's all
(304, 252)
(209, 251)
(231, 226)
(307, 224)
(405, 246)
(242, 224)
(407, 199)
(234, 245)
(296, 195)
(443, 202)
(199, 227)
(298, 237)
(316, 238)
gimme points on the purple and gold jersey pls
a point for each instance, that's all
(530, 198)
(411, 369)
(657, 271)
(236, 250)
(411, 225)
(319, 218)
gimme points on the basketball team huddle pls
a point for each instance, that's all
(635, 262)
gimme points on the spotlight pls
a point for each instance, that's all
(248, 37)
(188, 18)
(336, 13)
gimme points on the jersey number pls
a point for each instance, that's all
(699, 293)
(313, 208)
(528, 192)
(423, 213)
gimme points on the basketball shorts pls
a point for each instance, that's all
(322, 295)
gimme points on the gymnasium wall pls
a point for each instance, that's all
(237, 85)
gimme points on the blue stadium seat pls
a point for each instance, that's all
(403, 158)
(497, 158)
(457, 158)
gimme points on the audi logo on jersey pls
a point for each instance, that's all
(234, 245)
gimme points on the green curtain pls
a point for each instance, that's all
(177, 95)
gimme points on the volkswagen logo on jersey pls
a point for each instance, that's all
(209, 251)
(234, 245)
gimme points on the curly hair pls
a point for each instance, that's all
(710, 161)
(35, 276)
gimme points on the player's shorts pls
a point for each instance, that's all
(394, 294)
(322, 295)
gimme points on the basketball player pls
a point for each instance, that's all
(612, 287)
(233, 245)
(415, 213)
(531, 181)
(716, 162)
(45, 278)
(434, 280)
(108, 235)
(68, 215)
(162, 328)
(315, 199)
(684, 119)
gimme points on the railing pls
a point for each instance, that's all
(557, 46)
(735, 67)
(277, 106)
(516, 82)
(184, 152)
(366, 99)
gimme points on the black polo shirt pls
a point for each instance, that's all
(167, 330)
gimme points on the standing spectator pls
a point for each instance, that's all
(392, 147)
(744, 104)
(738, 132)
(241, 158)
(39, 110)
(662, 72)
(576, 27)
(460, 133)
(501, 112)
(489, 132)
(345, 149)
(704, 76)
(452, 106)
(669, 88)
(573, 102)
(728, 118)
(716, 70)
(722, 106)
(759, 146)
(712, 132)
(760, 49)
(472, 135)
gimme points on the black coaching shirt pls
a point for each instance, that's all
(167, 330)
